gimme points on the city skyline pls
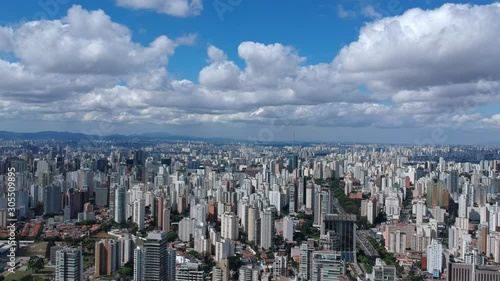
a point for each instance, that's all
(414, 72)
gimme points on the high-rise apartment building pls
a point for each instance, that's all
(139, 213)
(288, 228)
(305, 261)
(435, 257)
(171, 263)
(139, 264)
(267, 229)
(107, 257)
(221, 271)
(69, 264)
(254, 225)
(229, 226)
(327, 266)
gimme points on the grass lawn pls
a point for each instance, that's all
(17, 275)
(35, 249)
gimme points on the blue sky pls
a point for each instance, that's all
(265, 57)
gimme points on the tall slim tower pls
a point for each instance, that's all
(171, 258)
(166, 215)
(120, 204)
(267, 229)
(139, 213)
(139, 264)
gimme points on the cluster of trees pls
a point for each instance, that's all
(387, 257)
(126, 270)
(351, 206)
(36, 264)
(365, 261)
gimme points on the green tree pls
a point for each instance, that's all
(36, 263)
(234, 262)
(28, 277)
(172, 236)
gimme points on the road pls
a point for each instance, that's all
(362, 237)
(337, 206)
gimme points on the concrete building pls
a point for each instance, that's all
(107, 257)
(139, 264)
(287, 228)
(189, 272)
(469, 272)
(382, 272)
(327, 266)
(345, 228)
(435, 257)
(155, 256)
(267, 229)
(221, 271)
(69, 264)
(229, 226)
(139, 213)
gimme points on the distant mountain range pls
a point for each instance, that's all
(160, 136)
(68, 136)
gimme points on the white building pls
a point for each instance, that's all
(229, 227)
(287, 228)
(434, 257)
(224, 249)
(139, 213)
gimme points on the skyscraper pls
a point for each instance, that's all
(171, 259)
(292, 198)
(69, 264)
(52, 199)
(434, 257)
(287, 228)
(139, 213)
(229, 227)
(267, 229)
(139, 264)
(293, 162)
(345, 229)
(120, 204)
(155, 256)
(305, 258)
(253, 225)
(166, 215)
